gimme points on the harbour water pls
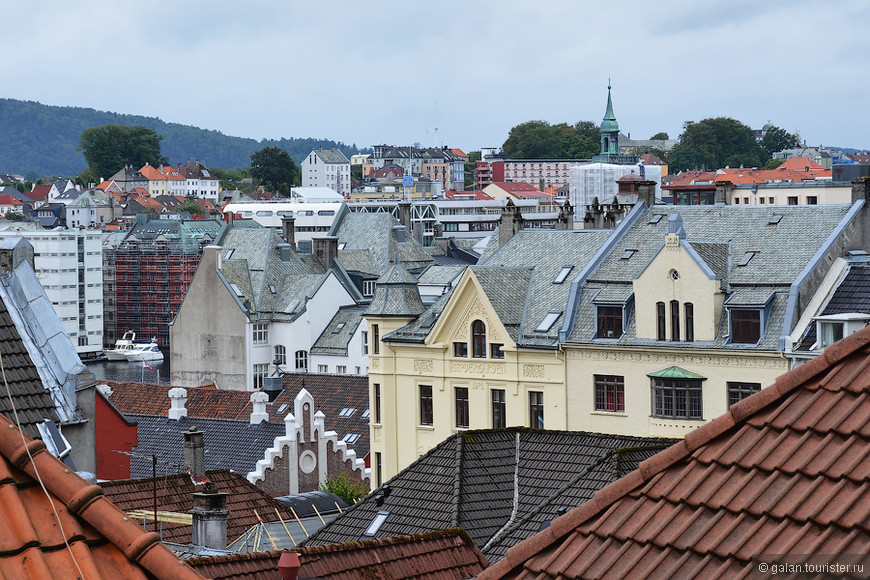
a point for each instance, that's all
(131, 372)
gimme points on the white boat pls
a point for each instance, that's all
(144, 352)
(122, 346)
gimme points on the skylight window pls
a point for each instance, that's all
(272, 289)
(283, 408)
(341, 245)
(238, 291)
(347, 412)
(774, 219)
(366, 414)
(628, 254)
(563, 274)
(229, 253)
(376, 524)
(291, 308)
(655, 218)
(548, 321)
(351, 438)
(746, 258)
(338, 327)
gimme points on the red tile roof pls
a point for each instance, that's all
(68, 528)
(785, 471)
(801, 164)
(441, 555)
(39, 192)
(9, 200)
(174, 495)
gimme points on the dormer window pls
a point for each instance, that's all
(609, 319)
(745, 326)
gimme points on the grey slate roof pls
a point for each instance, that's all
(331, 156)
(473, 479)
(396, 294)
(851, 295)
(776, 262)
(229, 444)
(334, 340)
(369, 243)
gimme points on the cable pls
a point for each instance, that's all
(36, 470)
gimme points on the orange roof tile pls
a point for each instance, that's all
(785, 471)
(68, 528)
(801, 164)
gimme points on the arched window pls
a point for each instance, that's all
(280, 355)
(478, 339)
(301, 360)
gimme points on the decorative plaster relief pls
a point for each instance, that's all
(307, 461)
(478, 368)
(678, 359)
(423, 366)
(536, 371)
(375, 363)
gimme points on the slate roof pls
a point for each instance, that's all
(776, 263)
(782, 472)
(494, 484)
(229, 444)
(372, 235)
(335, 338)
(396, 294)
(331, 156)
(174, 495)
(69, 528)
(851, 295)
(188, 234)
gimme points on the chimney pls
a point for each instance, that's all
(565, 220)
(288, 565)
(258, 402)
(860, 189)
(288, 229)
(194, 453)
(285, 252)
(404, 208)
(177, 398)
(646, 192)
(326, 250)
(400, 233)
(723, 192)
(228, 217)
(210, 518)
(510, 223)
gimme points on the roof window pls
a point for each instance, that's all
(376, 524)
(746, 258)
(563, 273)
(655, 218)
(238, 291)
(338, 327)
(628, 254)
(774, 219)
(347, 412)
(548, 321)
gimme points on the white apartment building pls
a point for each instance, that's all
(69, 265)
(322, 168)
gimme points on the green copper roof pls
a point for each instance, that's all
(675, 373)
(609, 124)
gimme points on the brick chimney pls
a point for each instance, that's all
(210, 518)
(723, 192)
(646, 192)
(228, 217)
(326, 250)
(177, 400)
(194, 453)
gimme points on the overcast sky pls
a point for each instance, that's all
(392, 72)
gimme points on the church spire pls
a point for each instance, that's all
(609, 128)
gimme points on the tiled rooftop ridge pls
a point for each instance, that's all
(86, 502)
(825, 364)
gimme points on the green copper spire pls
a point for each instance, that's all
(609, 124)
(609, 131)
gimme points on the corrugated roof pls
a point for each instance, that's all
(782, 472)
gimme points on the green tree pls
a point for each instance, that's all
(108, 148)
(776, 139)
(230, 178)
(714, 144)
(342, 486)
(191, 206)
(541, 140)
(14, 216)
(273, 167)
(471, 168)
(662, 136)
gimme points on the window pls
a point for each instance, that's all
(495, 350)
(301, 360)
(563, 273)
(376, 339)
(280, 354)
(830, 332)
(260, 372)
(365, 341)
(677, 398)
(792, 200)
(425, 404)
(747, 257)
(341, 369)
(812, 200)
(549, 320)
(322, 368)
(609, 393)
(739, 391)
(536, 409)
(689, 310)
(261, 333)
(745, 326)
(675, 320)
(770, 200)
(369, 287)
(377, 394)
(609, 322)
(460, 349)
(461, 398)
(498, 409)
(378, 468)
(660, 321)
(478, 339)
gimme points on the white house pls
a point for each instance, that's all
(327, 169)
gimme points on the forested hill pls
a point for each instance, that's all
(43, 139)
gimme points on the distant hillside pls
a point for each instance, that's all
(43, 138)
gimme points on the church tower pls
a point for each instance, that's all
(609, 130)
